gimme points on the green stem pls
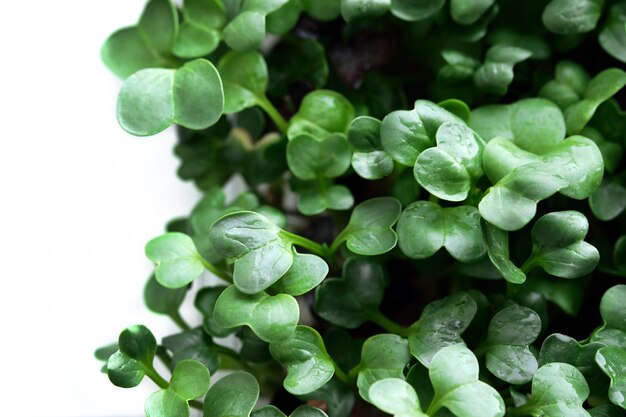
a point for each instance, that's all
(523, 410)
(227, 351)
(154, 376)
(341, 237)
(225, 275)
(381, 320)
(528, 265)
(354, 372)
(341, 374)
(314, 247)
(273, 113)
(180, 322)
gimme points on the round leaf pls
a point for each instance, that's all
(166, 403)
(190, 379)
(124, 371)
(306, 272)
(395, 396)
(178, 262)
(309, 158)
(234, 395)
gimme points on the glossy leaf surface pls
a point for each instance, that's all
(612, 361)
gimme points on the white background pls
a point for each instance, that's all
(79, 199)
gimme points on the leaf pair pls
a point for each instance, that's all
(424, 227)
(177, 261)
(155, 98)
(190, 380)
(247, 30)
(574, 168)
(261, 251)
(200, 31)
(578, 96)
(454, 376)
(321, 113)
(133, 359)
(496, 73)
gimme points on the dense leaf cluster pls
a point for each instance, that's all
(433, 222)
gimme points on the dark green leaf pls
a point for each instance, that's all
(321, 113)
(205, 302)
(497, 243)
(369, 160)
(124, 371)
(310, 158)
(567, 17)
(613, 332)
(162, 300)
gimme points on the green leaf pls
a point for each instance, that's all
(613, 332)
(302, 411)
(395, 396)
(441, 325)
(560, 348)
(190, 379)
(467, 12)
(414, 10)
(153, 99)
(138, 343)
(383, 356)
(308, 364)
(567, 17)
(234, 395)
(425, 227)
(245, 32)
(612, 361)
(359, 9)
(323, 195)
(124, 371)
(166, 403)
(296, 60)
(558, 390)
(306, 273)
(321, 113)
(253, 349)
(245, 79)
(619, 254)
(145, 45)
(195, 41)
(369, 160)
(205, 302)
(162, 300)
(601, 88)
(260, 253)
(405, 134)
(448, 170)
(566, 294)
(339, 398)
(496, 73)
(272, 318)
(612, 38)
(369, 230)
(454, 375)
(310, 158)
(497, 243)
(558, 245)
(606, 410)
(510, 333)
(349, 301)
(177, 261)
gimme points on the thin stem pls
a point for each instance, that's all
(225, 275)
(312, 246)
(383, 321)
(154, 376)
(273, 113)
(341, 237)
(180, 322)
(341, 374)
(528, 265)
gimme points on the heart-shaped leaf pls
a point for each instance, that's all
(321, 113)
(567, 17)
(454, 375)
(192, 344)
(510, 333)
(382, 356)
(405, 134)
(351, 300)
(136, 349)
(260, 253)
(558, 245)
(272, 318)
(199, 32)
(369, 230)
(234, 395)
(613, 332)
(145, 45)
(308, 364)
(424, 227)
(497, 243)
(177, 261)
(560, 348)
(245, 79)
(153, 99)
(369, 160)
(306, 272)
(448, 170)
(124, 371)
(558, 390)
(441, 325)
(317, 196)
(609, 200)
(310, 158)
(496, 73)
(612, 361)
